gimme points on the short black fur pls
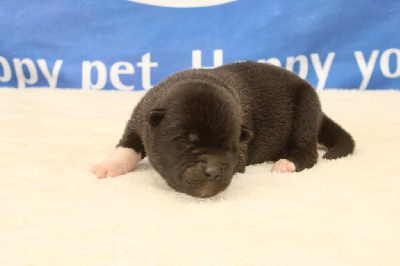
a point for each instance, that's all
(198, 127)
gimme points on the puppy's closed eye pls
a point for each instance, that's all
(187, 138)
(193, 137)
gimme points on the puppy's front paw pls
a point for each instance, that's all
(109, 168)
(283, 166)
(121, 162)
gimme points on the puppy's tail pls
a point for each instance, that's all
(338, 141)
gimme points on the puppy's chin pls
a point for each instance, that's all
(204, 190)
(193, 182)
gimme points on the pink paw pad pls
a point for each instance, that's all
(121, 162)
(283, 166)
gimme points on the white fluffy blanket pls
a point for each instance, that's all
(55, 212)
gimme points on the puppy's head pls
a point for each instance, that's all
(195, 137)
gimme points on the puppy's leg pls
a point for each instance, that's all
(128, 153)
(121, 162)
(301, 152)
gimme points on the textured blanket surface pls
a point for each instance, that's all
(55, 212)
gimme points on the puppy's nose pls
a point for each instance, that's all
(211, 172)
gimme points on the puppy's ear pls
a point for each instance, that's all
(155, 116)
(245, 134)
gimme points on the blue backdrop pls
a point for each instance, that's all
(132, 45)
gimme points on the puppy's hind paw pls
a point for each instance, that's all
(283, 166)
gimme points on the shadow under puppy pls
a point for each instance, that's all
(198, 127)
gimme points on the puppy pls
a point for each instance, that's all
(198, 127)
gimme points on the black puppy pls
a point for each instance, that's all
(198, 127)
